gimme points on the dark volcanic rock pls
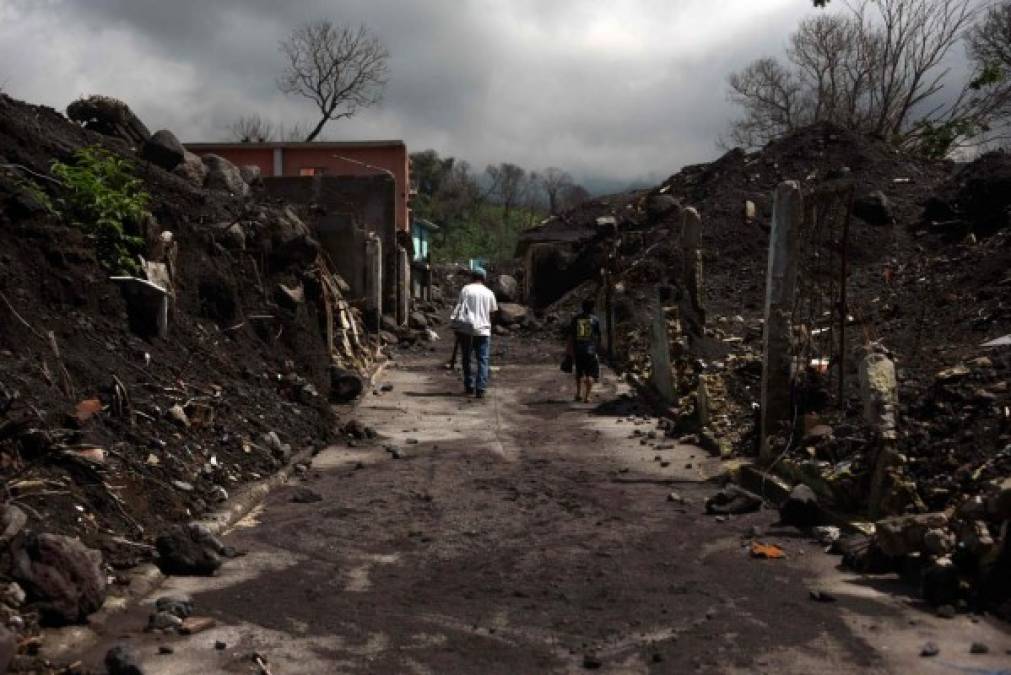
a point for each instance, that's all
(61, 574)
(733, 500)
(801, 508)
(121, 661)
(164, 150)
(874, 209)
(185, 550)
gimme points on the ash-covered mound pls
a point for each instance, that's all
(976, 200)
(112, 436)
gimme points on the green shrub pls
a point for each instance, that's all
(106, 201)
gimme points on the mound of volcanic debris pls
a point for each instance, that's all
(118, 419)
(975, 200)
(929, 254)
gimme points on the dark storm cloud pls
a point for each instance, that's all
(618, 90)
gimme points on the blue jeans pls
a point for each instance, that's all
(480, 347)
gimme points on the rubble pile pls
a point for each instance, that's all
(129, 406)
(929, 254)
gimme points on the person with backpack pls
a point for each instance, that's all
(471, 319)
(582, 346)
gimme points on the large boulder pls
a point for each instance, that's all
(8, 648)
(345, 385)
(223, 175)
(192, 169)
(510, 313)
(61, 575)
(252, 174)
(289, 239)
(659, 206)
(903, 535)
(109, 116)
(874, 209)
(506, 288)
(418, 320)
(733, 500)
(12, 521)
(164, 149)
(801, 508)
(189, 550)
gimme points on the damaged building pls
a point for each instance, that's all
(356, 196)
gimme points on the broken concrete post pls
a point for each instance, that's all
(662, 377)
(373, 280)
(403, 286)
(693, 315)
(879, 390)
(780, 289)
(147, 306)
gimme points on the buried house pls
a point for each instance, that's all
(360, 193)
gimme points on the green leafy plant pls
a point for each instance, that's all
(107, 202)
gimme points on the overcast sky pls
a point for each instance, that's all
(616, 91)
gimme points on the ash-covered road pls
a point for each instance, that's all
(526, 534)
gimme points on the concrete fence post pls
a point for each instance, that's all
(373, 280)
(780, 291)
(692, 310)
(662, 377)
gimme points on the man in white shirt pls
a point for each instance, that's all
(472, 317)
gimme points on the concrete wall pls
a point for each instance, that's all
(293, 157)
(349, 209)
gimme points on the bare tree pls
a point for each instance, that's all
(341, 69)
(990, 51)
(878, 67)
(572, 196)
(251, 129)
(553, 181)
(772, 97)
(295, 132)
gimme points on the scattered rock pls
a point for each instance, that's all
(505, 288)
(223, 175)
(192, 169)
(289, 298)
(903, 535)
(801, 508)
(345, 385)
(61, 575)
(188, 550)
(164, 621)
(676, 498)
(251, 174)
(165, 650)
(12, 521)
(121, 661)
(220, 646)
(164, 149)
(12, 595)
(8, 648)
(591, 662)
(941, 583)
(418, 321)
(303, 495)
(930, 649)
(874, 209)
(733, 500)
(179, 606)
(510, 313)
(979, 648)
(822, 596)
(946, 612)
(178, 415)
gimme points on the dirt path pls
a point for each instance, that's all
(526, 533)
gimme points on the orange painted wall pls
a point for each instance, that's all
(261, 157)
(392, 158)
